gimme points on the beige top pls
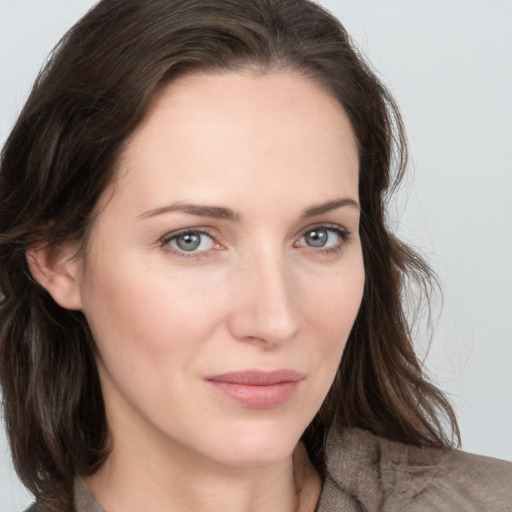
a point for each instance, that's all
(370, 474)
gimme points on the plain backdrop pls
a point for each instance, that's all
(449, 65)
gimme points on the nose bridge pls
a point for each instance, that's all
(266, 306)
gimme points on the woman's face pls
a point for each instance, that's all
(224, 270)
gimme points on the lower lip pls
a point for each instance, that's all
(257, 396)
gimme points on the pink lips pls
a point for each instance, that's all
(256, 389)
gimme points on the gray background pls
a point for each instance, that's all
(449, 64)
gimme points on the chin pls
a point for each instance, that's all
(257, 444)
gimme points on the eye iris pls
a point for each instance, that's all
(189, 241)
(317, 237)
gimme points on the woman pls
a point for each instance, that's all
(201, 299)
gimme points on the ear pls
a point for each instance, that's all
(57, 270)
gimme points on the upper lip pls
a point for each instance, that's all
(258, 377)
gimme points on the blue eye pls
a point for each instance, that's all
(189, 241)
(324, 237)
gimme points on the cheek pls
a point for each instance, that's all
(149, 330)
(332, 306)
(138, 315)
(339, 310)
(329, 314)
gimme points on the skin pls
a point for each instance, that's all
(255, 294)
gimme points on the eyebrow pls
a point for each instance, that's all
(222, 213)
(329, 206)
(199, 210)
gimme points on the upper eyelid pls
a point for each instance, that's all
(326, 225)
(174, 234)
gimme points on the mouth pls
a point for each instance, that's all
(256, 389)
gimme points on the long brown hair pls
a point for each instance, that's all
(60, 156)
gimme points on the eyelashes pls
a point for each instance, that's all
(188, 241)
(185, 242)
(324, 238)
(200, 242)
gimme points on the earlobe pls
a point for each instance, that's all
(56, 270)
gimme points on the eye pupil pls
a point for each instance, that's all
(189, 241)
(317, 237)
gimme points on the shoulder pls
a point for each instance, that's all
(43, 506)
(82, 500)
(384, 475)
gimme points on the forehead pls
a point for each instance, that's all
(238, 133)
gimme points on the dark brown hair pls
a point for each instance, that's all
(60, 156)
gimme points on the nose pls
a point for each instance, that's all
(265, 302)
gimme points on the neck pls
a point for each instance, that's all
(130, 480)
